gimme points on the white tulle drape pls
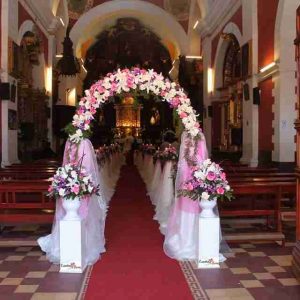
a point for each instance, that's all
(164, 196)
(93, 212)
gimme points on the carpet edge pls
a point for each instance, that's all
(197, 291)
(85, 283)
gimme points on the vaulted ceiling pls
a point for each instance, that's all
(178, 8)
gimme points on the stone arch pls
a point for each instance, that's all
(105, 13)
(26, 26)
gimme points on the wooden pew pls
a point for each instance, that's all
(269, 188)
(26, 174)
(277, 174)
(25, 202)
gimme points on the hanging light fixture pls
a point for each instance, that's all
(68, 65)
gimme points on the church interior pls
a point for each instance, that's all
(238, 62)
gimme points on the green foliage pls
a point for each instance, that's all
(70, 129)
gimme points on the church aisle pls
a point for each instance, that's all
(135, 266)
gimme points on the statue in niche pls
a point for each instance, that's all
(155, 116)
(101, 119)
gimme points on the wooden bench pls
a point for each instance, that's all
(25, 202)
(25, 174)
(274, 189)
(246, 174)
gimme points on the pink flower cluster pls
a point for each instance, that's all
(208, 181)
(124, 81)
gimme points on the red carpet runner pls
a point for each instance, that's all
(135, 266)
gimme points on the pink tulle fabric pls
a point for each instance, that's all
(181, 234)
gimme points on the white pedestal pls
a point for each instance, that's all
(72, 247)
(209, 243)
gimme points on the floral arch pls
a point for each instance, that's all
(125, 81)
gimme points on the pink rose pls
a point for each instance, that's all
(189, 186)
(220, 190)
(223, 176)
(211, 176)
(175, 102)
(183, 115)
(50, 188)
(75, 189)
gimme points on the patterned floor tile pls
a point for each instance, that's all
(275, 269)
(251, 283)
(26, 289)
(240, 270)
(282, 260)
(237, 293)
(15, 258)
(11, 281)
(52, 296)
(261, 276)
(36, 275)
(4, 274)
(289, 281)
(257, 254)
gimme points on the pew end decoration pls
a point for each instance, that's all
(169, 154)
(208, 185)
(71, 183)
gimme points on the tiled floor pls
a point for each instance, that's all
(259, 270)
(252, 271)
(25, 272)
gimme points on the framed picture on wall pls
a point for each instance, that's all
(12, 120)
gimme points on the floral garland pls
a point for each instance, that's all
(126, 81)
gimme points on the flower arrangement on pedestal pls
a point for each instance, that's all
(71, 183)
(208, 184)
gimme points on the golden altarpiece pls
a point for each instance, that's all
(128, 117)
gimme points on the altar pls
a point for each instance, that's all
(128, 117)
